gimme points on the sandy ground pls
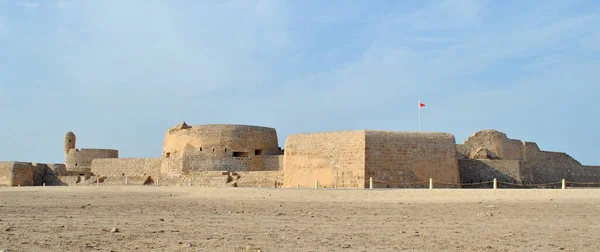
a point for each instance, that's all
(240, 219)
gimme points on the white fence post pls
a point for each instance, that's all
(44, 184)
(97, 181)
(564, 184)
(430, 183)
(157, 181)
(495, 184)
(126, 180)
(371, 183)
(316, 184)
(297, 186)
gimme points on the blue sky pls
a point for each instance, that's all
(120, 73)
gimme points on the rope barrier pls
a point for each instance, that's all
(489, 182)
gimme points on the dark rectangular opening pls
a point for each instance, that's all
(168, 155)
(240, 154)
(258, 152)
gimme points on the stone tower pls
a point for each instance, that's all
(69, 142)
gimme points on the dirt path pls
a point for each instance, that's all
(238, 219)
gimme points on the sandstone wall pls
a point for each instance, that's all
(171, 167)
(335, 159)
(81, 160)
(495, 141)
(474, 171)
(6, 173)
(16, 173)
(266, 179)
(195, 160)
(121, 167)
(549, 167)
(397, 158)
(587, 174)
(544, 166)
(221, 140)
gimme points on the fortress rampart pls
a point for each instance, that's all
(30, 174)
(490, 154)
(121, 167)
(81, 160)
(221, 140)
(249, 156)
(335, 159)
(402, 159)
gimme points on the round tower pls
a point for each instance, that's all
(69, 142)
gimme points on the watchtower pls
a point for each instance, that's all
(69, 142)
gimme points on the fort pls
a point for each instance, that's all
(218, 155)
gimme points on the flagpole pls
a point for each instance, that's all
(419, 115)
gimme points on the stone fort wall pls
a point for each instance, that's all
(29, 174)
(81, 160)
(222, 140)
(121, 167)
(195, 160)
(335, 159)
(400, 159)
(536, 166)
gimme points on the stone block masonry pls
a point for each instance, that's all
(248, 156)
(121, 167)
(27, 174)
(334, 159)
(220, 140)
(200, 161)
(518, 161)
(81, 160)
(6, 173)
(475, 171)
(405, 159)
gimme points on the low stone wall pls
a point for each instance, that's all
(81, 160)
(121, 167)
(267, 179)
(69, 180)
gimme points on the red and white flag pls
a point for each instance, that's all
(420, 106)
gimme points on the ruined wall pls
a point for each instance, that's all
(587, 174)
(404, 157)
(221, 140)
(81, 160)
(544, 166)
(335, 159)
(121, 167)
(549, 167)
(196, 160)
(496, 142)
(22, 174)
(16, 173)
(481, 170)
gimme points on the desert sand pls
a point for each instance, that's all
(150, 218)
